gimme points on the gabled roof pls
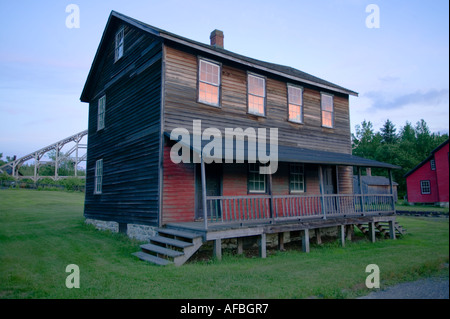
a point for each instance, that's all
(427, 159)
(277, 69)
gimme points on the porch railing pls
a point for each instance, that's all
(253, 208)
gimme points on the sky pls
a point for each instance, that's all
(400, 68)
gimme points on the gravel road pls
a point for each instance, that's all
(430, 288)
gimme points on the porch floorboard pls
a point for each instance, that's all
(244, 229)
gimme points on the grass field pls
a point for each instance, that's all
(42, 232)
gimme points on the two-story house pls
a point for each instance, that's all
(146, 82)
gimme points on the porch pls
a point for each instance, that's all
(311, 190)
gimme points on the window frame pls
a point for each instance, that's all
(101, 110)
(98, 177)
(261, 178)
(292, 174)
(299, 105)
(250, 74)
(322, 94)
(118, 45)
(219, 85)
(433, 164)
(422, 187)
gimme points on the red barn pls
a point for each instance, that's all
(428, 181)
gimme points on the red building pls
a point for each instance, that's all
(428, 181)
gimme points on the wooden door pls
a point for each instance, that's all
(328, 180)
(213, 188)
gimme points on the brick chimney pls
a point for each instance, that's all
(216, 38)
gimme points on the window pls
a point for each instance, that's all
(297, 178)
(118, 53)
(295, 104)
(433, 165)
(425, 187)
(101, 113)
(327, 110)
(208, 82)
(98, 176)
(256, 89)
(256, 181)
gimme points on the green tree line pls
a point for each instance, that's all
(406, 147)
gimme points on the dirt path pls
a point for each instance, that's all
(429, 288)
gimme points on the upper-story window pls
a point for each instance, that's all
(256, 94)
(119, 46)
(295, 103)
(101, 113)
(209, 82)
(433, 165)
(327, 107)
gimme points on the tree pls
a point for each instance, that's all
(388, 132)
(365, 141)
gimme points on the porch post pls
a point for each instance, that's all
(321, 191)
(391, 189)
(271, 197)
(363, 210)
(217, 249)
(372, 231)
(305, 241)
(262, 245)
(342, 231)
(392, 229)
(205, 213)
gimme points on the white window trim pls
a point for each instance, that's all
(101, 108)
(219, 81)
(301, 174)
(263, 96)
(118, 45)
(98, 180)
(256, 172)
(300, 105)
(321, 109)
(422, 187)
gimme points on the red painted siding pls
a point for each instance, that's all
(178, 191)
(423, 173)
(442, 176)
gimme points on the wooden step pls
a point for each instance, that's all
(152, 259)
(161, 250)
(178, 233)
(170, 241)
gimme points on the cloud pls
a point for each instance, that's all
(389, 79)
(431, 97)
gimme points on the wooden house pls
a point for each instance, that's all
(145, 82)
(372, 184)
(428, 181)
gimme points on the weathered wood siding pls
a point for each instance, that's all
(130, 142)
(181, 106)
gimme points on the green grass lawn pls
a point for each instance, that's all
(41, 232)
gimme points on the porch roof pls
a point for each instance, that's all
(286, 153)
